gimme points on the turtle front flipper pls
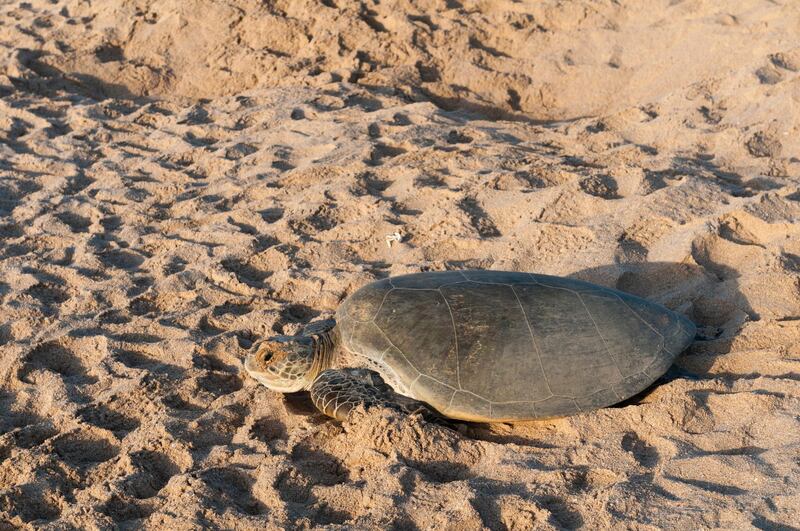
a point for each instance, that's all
(337, 392)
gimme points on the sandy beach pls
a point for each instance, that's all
(180, 179)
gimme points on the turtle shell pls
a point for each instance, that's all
(495, 345)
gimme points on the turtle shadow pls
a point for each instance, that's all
(518, 433)
(675, 372)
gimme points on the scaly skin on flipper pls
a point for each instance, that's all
(337, 392)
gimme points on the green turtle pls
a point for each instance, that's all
(482, 346)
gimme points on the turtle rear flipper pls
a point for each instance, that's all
(337, 392)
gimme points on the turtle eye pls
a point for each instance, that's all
(266, 357)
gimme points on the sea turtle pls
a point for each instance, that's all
(482, 346)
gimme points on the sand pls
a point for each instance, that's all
(179, 179)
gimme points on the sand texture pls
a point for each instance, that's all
(179, 179)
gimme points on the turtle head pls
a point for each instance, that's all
(285, 363)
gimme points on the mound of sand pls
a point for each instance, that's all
(148, 238)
